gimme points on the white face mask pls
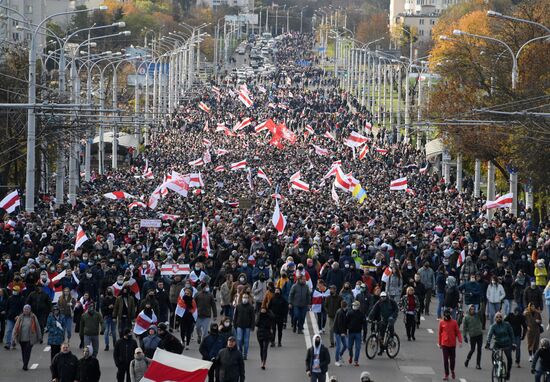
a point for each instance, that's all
(355, 307)
(245, 301)
(226, 324)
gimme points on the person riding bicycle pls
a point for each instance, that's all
(504, 339)
(544, 365)
(385, 311)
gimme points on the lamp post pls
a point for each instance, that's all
(301, 17)
(512, 18)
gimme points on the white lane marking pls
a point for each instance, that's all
(47, 348)
(463, 380)
(33, 366)
(430, 331)
(306, 334)
(422, 318)
(314, 324)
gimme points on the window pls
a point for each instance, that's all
(432, 22)
(421, 32)
(421, 21)
(15, 36)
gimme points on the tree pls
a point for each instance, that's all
(373, 27)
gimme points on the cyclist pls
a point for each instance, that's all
(544, 365)
(385, 311)
(504, 339)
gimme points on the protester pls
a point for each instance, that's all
(340, 330)
(317, 360)
(210, 347)
(88, 367)
(123, 354)
(206, 310)
(28, 333)
(355, 322)
(244, 320)
(279, 307)
(138, 366)
(410, 306)
(14, 307)
(64, 366)
(56, 331)
(473, 333)
(504, 339)
(448, 334)
(151, 342)
(230, 363)
(541, 360)
(91, 324)
(519, 325)
(533, 320)
(168, 341)
(109, 319)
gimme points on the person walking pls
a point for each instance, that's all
(299, 302)
(109, 324)
(226, 296)
(139, 365)
(230, 362)
(206, 309)
(332, 304)
(3, 306)
(91, 324)
(56, 331)
(448, 334)
(519, 325)
(546, 294)
(88, 367)
(14, 307)
(124, 310)
(41, 305)
(123, 354)
(66, 304)
(427, 278)
(495, 295)
(64, 365)
(472, 292)
(340, 331)
(264, 325)
(151, 342)
(410, 306)
(355, 322)
(27, 332)
(188, 316)
(473, 333)
(210, 347)
(244, 323)
(317, 360)
(533, 320)
(279, 307)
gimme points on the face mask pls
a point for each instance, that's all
(44, 279)
(226, 324)
(52, 269)
(197, 269)
(15, 293)
(207, 289)
(88, 275)
(241, 279)
(346, 266)
(110, 293)
(409, 267)
(245, 301)
(355, 307)
(32, 270)
(245, 265)
(91, 310)
(317, 342)
(493, 282)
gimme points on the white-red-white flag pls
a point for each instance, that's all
(386, 275)
(238, 165)
(242, 124)
(329, 135)
(245, 99)
(321, 151)
(205, 240)
(363, 152)
(296, 175)
(341, 181)
(298, 184)
(204, 107)
(220, 152)
(117, 195)
(381, 151)
(309, 131)
(355, 139)
(167, 366)
(221, 127)
(206, 142)
(398, 184)
(368, 126)
(81, 238)
(133, 205)
(10, 202)
(334, 195)
(505, 201)
(143, 322)
(219, 168)
(278, 220)
(197, 162)
(206, 157)
(261, 174)
(195, 180)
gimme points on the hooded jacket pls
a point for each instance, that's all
(322, 352)
(150, 343)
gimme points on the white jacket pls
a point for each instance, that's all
(495, 293)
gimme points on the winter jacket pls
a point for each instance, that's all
(278, 306)
(211, 346)
(448, 333)
(427, 277)
(472, 292)
(299, 295)
(541, 276)
(170, 343)
(14, 306)
(533, 296)
(472, 326)
(383, 310)
(226, 292)
(56, 330)
(258, 290)
(66, 306)
(518, 323)
(206, 305)
(231, 364)
(469, 268)
(340, 322)
(503, 333)
(324, 359)
(91, 324)
(174, 292)
(452, 296)
(150, 343)
(64, 367)
(264, 323)
(40, 302)
(124, 351)
(88, 370)
(542, 355)
(118, 308)
(394, 286)
(332, 304)
(138, 367)
(495, 293)
(244, 316)
(355, 319)
(35, 334)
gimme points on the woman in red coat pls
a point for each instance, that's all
(448, 333)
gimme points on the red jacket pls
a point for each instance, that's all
(448, 333)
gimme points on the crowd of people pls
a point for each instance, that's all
(350, 263)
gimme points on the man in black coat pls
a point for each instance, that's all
(88, 367)
(64, 365)
(167, 341)
(317, 360)
(230, 362)
(210, 347)
(124, 354)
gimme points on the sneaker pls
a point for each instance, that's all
(446, 378)
(349, 360)
(294, 329)
(338, 364)
(7, 347)
(453, 374)
(106, 348)
(530, 358)
(199, 340)
(517, 364)
(356, 364)
(279, 344)
(331, 345)
(245, 357)
(300, 331)
(478, 367)
(466, 362)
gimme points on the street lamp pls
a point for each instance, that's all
(458, 32)
(512, 18)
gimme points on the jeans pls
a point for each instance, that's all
(492, 308)
(26, 349)
(9, 331)
(341, 345)
(202, 325)
(506, 307)
(94, 341)
(517, 342)
(441, 301)
(68, 321)
(299, 316)
(475, 341)
(318, 377)
(354, 339)
(110, 328)
(243, 336)
(449, 358)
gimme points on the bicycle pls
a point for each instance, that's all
(500, 369)
(391, 342)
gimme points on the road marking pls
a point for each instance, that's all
(314, 323)
(47, 348)
(463, 380)
(430, 331)
(33, 366)
(422, 318)
(306, 334)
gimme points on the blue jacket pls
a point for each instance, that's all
(56, 333)
(472, 292)
(211, 346)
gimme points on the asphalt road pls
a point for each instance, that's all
(419, 361)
